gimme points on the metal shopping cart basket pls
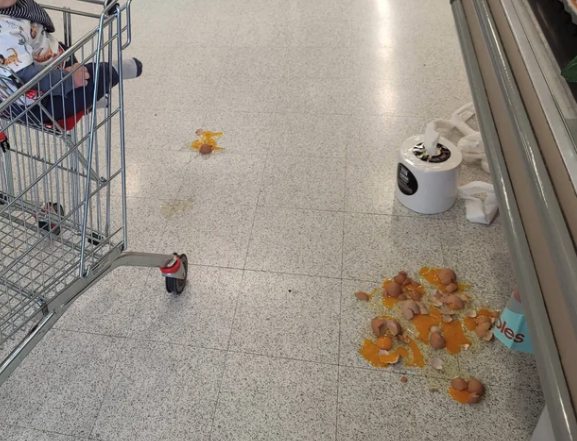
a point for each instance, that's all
(60, 181)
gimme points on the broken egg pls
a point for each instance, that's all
(447, 276)
(423, 309)
(404, 379)
(459, 384)
(436, 330)
(476, 387)
(451, 288)
(400, 278)
(437, 364)
(455, 301)
(205, 149)
(385, 343)
(394, 289)
(393, 327)
(482, 329)
(410, 308)
(473, 399)
(402, 297)
(363, 296)
(378, 325)
(437, 341)
(483, 319)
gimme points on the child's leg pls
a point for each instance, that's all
(82, 98)
(61, 107)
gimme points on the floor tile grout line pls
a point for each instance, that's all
(107, 391)
(72, 436)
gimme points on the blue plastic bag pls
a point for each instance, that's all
(511, 328)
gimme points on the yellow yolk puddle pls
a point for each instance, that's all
(470, 323)
(460, 396)
(430, 275)
(454, 336)
(207, 137)
(418, 359)
(389, 302)
(371, 353)
(423, 324)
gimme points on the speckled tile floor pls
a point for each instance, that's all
(314, 98)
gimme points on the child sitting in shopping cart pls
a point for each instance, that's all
(27, 45)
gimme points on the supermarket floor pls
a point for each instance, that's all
(281, 228)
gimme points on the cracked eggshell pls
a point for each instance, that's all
(483, 319)
(455, 301)
(451, 288)
(394, 289)
(400, 278)
(205, 149)
(394, 327)
(473, 399)
(363, 296)
(377, 325)
(459, 384)
(447, 276)
(423, 309)
(410, 308)
(476, 387)
(437, 341)
(437, 363)
(482, 329)
(402, 297)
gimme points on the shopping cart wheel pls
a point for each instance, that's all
(176, 286)
(44, 223)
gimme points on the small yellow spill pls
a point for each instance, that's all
(207, 137)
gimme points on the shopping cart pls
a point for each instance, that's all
(63, 184)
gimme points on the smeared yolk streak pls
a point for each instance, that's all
(431, 276)
(423, 324)
(207, 138)
(434, 311)
(418, 359)
(389, 302)
(470, 323)
(455, 336)
(460, 396)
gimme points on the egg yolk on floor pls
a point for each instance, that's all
(207, 138)
(418, 359)
(423, 324)
(459, 395)
(389, 302)
(431, 276)
(455, 337)
(470, 323)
